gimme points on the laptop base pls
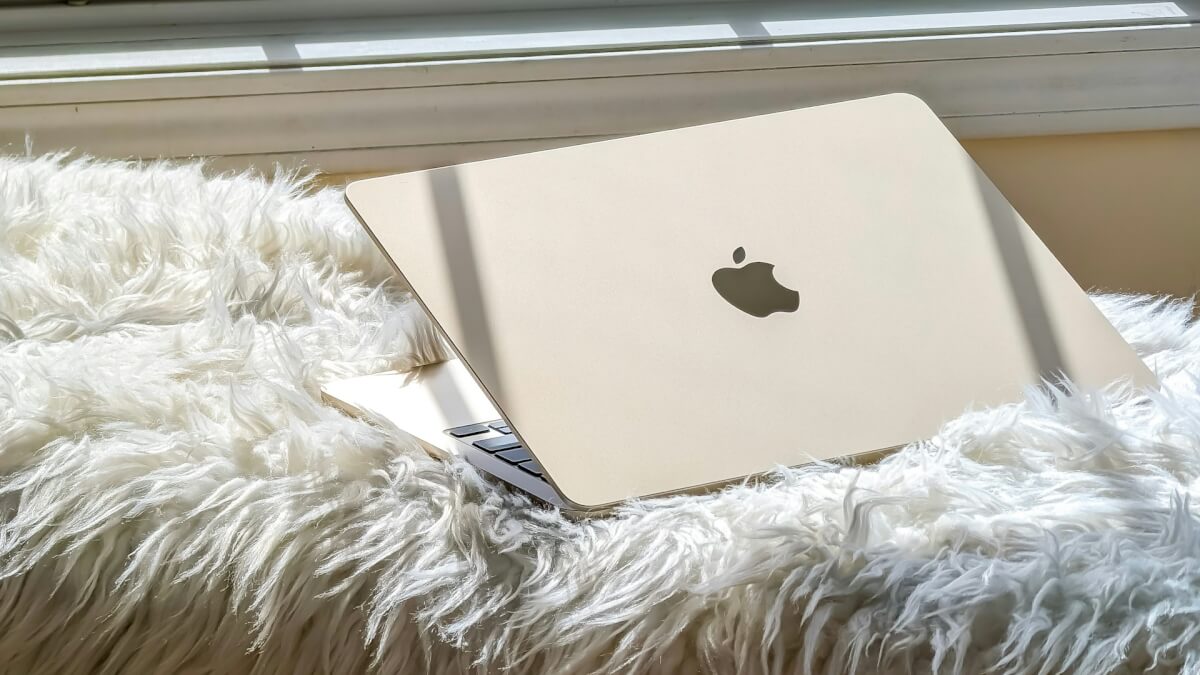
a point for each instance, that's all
(424, 404)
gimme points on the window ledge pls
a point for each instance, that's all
(389, 92)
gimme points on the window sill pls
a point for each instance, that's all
(389, 93)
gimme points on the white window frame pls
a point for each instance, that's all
(368, 89)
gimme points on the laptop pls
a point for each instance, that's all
(681, 310)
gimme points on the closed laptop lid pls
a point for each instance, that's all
(674, 310)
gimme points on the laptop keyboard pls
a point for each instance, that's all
(505, 446)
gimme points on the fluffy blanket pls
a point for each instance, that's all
(174, 497)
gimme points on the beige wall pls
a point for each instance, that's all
(1122, 211)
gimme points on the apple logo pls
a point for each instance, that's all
(753, 288)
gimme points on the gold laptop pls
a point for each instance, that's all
(678, 310)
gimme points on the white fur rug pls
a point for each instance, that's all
(174, 497)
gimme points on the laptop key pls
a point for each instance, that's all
(515, 456)
(467, 430)
(500, 426)
(494, 445)
(531, 467)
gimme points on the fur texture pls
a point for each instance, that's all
(175, 498)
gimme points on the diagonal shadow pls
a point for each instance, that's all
(1022, 281)
(281, 53)
(749, 31)
(459, 253)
